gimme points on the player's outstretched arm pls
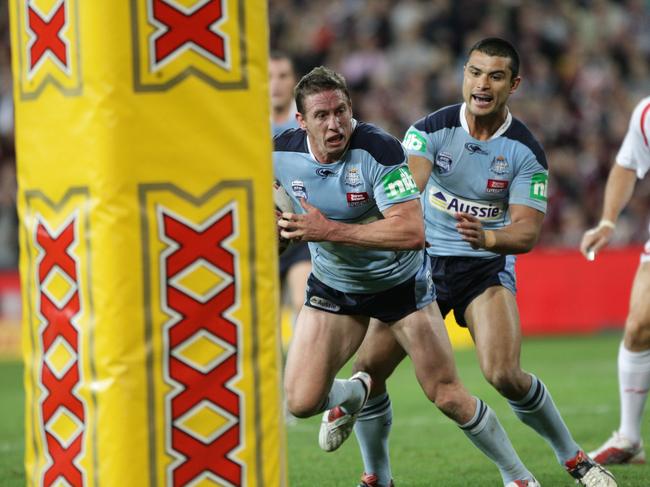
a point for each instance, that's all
(402, 228)
(517, 238)
(618, 191)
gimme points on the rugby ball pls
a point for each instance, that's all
(281, 199)
(283, 204)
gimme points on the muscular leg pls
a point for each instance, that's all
(323, 342)
(296, 281)
(493, 320)
(379, 355)
(423, 335)
(634, 357)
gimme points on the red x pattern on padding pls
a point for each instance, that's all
(191, 29)
(47, 35)
(57, 317)
(199, 386)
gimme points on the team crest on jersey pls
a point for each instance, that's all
(353, 178)
(499, 166)
(299, 190)
(177, 39)
(443, 162)
(48, 37)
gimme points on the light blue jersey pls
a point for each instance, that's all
(482, 178)
(372, 176)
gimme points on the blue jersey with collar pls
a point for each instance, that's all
(482, 178)
(371, 176)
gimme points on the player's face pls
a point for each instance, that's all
(328, 122)
(281, 83)
(487, 84)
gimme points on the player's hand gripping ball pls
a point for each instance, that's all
(283, 204)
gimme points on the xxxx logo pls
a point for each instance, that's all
(62, 411)
(59, 327)
(180, 38)
(49, 50)
(199, 285)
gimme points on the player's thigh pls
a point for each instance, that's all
(379, 354)
(422, 334)
(297, 281)
(493, 320)
(637, 327)
(322, 343)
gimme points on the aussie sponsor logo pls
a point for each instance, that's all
(399, 183)
(499, 165)
(413, 141)
(443, 162)
(299, 190)
(353, 178)
(357, 199)
(448, 203)
(473, 148)
(496, 185)
(539, 186)
(322, 303)
(325, 172)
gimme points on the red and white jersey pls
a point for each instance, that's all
(635, 150)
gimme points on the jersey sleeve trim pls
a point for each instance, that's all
(383, 147)
(292, 140)
(519, 132)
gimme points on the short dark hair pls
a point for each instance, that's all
(495, 46)
(317, 80)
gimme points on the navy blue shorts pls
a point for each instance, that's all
(297, 252)
(459, 280)
(388, 306)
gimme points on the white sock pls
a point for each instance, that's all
(372, 429)
(633, 382)
(537, 410)
(487, 434)
(349, 394)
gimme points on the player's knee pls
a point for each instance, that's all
(448, 397)
(505, 380)
(302, 406)
(637, 332)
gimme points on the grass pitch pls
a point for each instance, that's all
(427, 449)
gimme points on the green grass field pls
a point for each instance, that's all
(427, 449)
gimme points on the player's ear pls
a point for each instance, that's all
(301, 120)
(514, 84)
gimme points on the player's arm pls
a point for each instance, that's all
(618, 191)
(421, 170)
(402, 228)
(518, 237)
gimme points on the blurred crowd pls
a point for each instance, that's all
(585, 64)
(8, 216)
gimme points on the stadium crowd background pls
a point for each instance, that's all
(585, 63)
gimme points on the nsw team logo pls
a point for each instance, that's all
(353, 178)
(176, 39)
(499, 166)
(443, 162)
(48, 54)
(299, 190)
